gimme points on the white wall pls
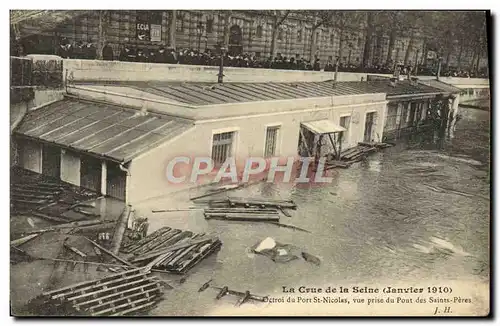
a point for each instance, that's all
(70, 167)
(97, 70)
(148, 172)
(31, 156)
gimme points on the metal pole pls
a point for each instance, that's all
(439, 68)
(220, 78)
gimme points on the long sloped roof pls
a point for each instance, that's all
(99, 129)
(202, 94)
(441, 85)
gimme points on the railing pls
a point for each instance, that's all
(20, 71)
(26, 74)
(48, 73)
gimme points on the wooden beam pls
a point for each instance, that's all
(121, 260)
(72, 287)
(305, 142)
(23, 240)
(93, 300)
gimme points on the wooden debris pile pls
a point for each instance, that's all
(355, 154)
(48, 198)
(119, 294)
(171, 250)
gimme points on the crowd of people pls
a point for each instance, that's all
(88, 50)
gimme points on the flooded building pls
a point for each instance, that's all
(118, 138)
(113, 148)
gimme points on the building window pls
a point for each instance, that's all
(345, 122)
(221, 147)
(299, 35)
(271, 141)
(280, 34)
(259, 31)
(257, 54)
(332, 38)
(210, 25)
(318, 40)
(179, 23)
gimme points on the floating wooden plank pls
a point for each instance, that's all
(243, 217)
(35, 191)
(148, 238)
(120, 293)
(133, 304)
(170, 249)
(75, 250)
(92, 301)
(57, 219)
(241, 294)
(23, 240)
(121, 260)
(136, 308)
(70, 225)
(241, 210)
(74, 287)
(113, 286)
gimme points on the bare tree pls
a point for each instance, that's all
(172, 28)
(343, 21)
(279, 17)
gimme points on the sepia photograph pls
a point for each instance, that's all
(196, 163)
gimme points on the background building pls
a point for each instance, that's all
(356, 37)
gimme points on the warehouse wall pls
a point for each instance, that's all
(30, 155)
(95, 70)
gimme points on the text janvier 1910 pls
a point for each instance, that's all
(366, 289)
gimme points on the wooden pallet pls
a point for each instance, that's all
(118, 294)
(181, 250)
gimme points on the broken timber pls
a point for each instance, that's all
(243, 296)
(171, 250)
(252, 202)
(246, 214)
(119, 294)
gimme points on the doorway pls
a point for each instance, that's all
(90, 173)
(369, 121)
(51, 161)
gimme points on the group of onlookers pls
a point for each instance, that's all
(88, 50)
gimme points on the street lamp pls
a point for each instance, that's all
(220, 76)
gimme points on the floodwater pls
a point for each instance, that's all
(411, 213)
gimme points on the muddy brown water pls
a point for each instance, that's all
(416, 211)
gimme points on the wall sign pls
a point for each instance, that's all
(143, 31)
(155, 33)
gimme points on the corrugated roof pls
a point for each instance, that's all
(200, 94)
(445, 87)
(100, 129)
(208, 94)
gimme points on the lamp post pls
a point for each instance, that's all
(220, 76)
